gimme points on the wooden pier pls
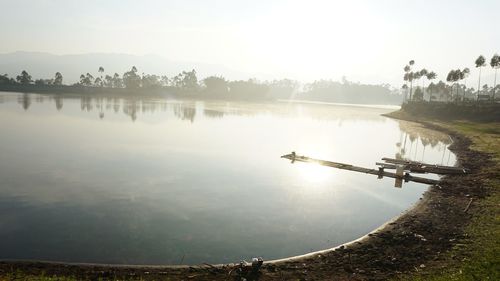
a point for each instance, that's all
(380, 172)
(419, 167)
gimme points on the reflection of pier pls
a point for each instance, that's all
(400, 174)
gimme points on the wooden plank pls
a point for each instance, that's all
(379, 172)
(386, 165)
(421, 167)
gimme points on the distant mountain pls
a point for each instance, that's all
(45, 65)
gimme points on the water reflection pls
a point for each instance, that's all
(213, 113)
(135, 107)
(184, 111)
(414, 135)
(80, 182)
(59, 102)
(25, 101)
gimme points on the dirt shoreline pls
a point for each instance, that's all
(411, 242)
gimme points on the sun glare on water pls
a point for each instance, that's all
(313, 173)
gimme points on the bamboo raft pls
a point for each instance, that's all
(380, 172)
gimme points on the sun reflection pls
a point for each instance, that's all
(314, 173)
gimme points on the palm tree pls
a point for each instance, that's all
(480, 62)
(452, 77)
(431, 76)
(423, 74)
(405, 88)
(417, 75)
(457, 76)
(406, 77)
(409, 76)
(495, 64)
(463, 75)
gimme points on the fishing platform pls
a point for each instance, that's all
(403, 168)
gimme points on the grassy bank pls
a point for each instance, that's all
(477, 255)
(473, 111)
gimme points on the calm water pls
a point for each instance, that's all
(154, 182)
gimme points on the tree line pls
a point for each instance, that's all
(187, 82)
(452, 89)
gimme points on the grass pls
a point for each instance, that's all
(478, 256)
(21, 276)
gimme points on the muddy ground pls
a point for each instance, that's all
(416, 240)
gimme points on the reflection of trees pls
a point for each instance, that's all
(109, 104)
(116, 105)
(425, 143)
(86, 104)
(210, 113)
(416, 133)
(130, 108)
(149, 106)
(25, 101)
(184, 111)
(39, 98)
(59, 102)
(100, 107)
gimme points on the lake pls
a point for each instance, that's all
(131, 181)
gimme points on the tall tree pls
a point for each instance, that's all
(131, 79)
(463, 75)
(430, 90)
(4, 79)
(216, 85)
(416, 76)
(480, 62)
(418, 95)
(108, 81)
(165, 81)
(58, 79)
(410, 75)
(98, 82)
(431, 76)
(458, 75)
(150, 81)
(423, 74)
(452, 78)
(406, 76)
(495, 64)
(117, 81)
(24, 78)
(101, 71)
(86, 80)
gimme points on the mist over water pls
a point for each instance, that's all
(137, 181)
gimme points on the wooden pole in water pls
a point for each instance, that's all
(378, 172)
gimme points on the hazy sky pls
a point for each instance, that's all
(367, 41)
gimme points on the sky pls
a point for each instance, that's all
(363, 40)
